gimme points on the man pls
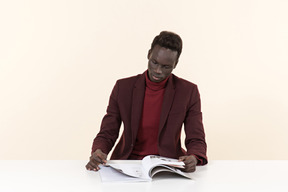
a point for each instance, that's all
(153, 106)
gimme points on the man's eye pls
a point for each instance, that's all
(167, 66)
(154, 62)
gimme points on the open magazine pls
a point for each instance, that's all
(144, 171)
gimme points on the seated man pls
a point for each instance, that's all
(153, 106)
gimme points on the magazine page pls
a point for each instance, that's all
(151, 161)
(153, 164)
(129, 169)
(164, 168)
(109, 174)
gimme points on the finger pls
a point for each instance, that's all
(91, 167)
(186, 159)
(95, 157)
(182, 158)
(189, 160)
(94, 163)
(190, 169)
(103, 157)
(99, 156)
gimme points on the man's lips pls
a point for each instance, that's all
(156, 78)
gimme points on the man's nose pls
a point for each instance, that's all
(158, 69)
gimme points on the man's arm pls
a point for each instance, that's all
(195, 135)
(108, 133)
(110, 125)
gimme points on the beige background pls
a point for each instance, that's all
(60, 59)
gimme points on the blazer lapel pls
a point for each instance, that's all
(167, 102)
(137, 105)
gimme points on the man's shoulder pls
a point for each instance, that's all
(130, 80)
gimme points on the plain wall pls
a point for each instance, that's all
(60, 59)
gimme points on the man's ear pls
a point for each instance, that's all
(148, 55)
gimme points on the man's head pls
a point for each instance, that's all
(163, 55)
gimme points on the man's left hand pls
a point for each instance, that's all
(190, 162)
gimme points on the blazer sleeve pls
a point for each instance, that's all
(110, 125)
(193, 126)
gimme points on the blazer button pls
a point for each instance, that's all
(132, 145)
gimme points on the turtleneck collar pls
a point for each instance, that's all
(153, 85)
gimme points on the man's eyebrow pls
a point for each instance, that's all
(153, 59)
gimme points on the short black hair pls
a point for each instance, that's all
(168, 40)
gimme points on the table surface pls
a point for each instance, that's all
(71, 175)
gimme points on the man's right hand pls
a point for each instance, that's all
(98, 157)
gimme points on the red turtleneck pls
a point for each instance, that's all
(147, 137)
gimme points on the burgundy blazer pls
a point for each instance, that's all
(181, 105)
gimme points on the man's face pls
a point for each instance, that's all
(161, 63)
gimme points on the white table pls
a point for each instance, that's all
(232, 176)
